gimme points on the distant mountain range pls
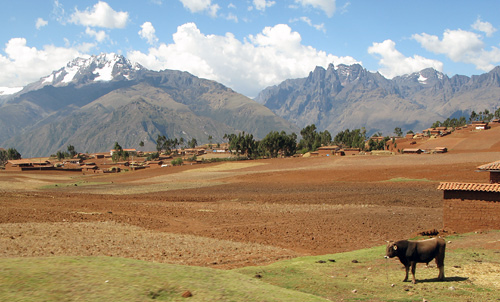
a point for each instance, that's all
(350, 97)
(93, 103)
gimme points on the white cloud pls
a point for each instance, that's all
(23, 64)
(147, 32)
(395, 63)
(320, 27)
(461, 46)
(485, 27)
(263, 4)
(248, 66)
(198, 6)
(58, 12)
(101, 15)
(328, 6)
(232, 17)
(41, 23)
(98, 35)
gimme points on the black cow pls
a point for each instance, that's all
(413, 252)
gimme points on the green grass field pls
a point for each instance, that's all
(363, 275)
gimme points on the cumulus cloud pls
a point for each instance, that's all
(461, 46)
(41, 23)
(485, 27)
(98, 35)
(147, 32)
(395, 63)
(328, 6)
(100, 15)
(247, 66)
(263, 4)
(23, 64)
(198, 6)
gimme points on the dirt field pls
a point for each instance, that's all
(231, 214)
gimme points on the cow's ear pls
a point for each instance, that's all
(395, 247)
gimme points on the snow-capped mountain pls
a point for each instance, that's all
(93, 102)
(81, 71)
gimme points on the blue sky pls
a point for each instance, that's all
(250, 44)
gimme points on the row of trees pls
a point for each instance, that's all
(312, 140)
(274, 144)
(9, 154)
(485, 115)
(277, 143)
(166, 145)
(67, 154)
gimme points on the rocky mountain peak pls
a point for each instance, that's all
(100, 68)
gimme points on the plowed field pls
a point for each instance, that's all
(230, 214)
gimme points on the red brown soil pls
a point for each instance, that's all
(268, 210)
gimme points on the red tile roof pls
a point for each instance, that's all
(491, 166)
(460, 186)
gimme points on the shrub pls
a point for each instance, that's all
(177, 162)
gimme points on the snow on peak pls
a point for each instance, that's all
(103, 67)
(9, 90)
(422, 79)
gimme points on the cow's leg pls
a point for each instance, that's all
(440, 265)
(413, 268)
(407, 268)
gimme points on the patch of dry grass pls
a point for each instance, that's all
(122, 240)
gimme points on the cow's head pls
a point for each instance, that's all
(391, 250)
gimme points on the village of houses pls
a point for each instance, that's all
(103, 163)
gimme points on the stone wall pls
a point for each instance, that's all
(468, 215)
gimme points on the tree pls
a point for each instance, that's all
(210, 141)
(398, 131)
(71, 151)
(141, 144)
(473, 116)
(275, 143)
(351, 139)
(377, 145)
(119, 153)
(192, 143)
(3, 157)
(243, 143)
(160, 142)
(61, 155)
(312, 140)
(13, 154)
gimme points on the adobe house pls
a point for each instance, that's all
(327, 150)
(412, 151)
(440, 150)
(351, 151)
(470, 207)
(432, 132)
(26, 164)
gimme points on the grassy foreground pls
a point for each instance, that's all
(363, 275)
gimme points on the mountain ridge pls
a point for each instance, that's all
(348, 97)
(109, 99)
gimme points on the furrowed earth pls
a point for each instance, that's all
(231, 214)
